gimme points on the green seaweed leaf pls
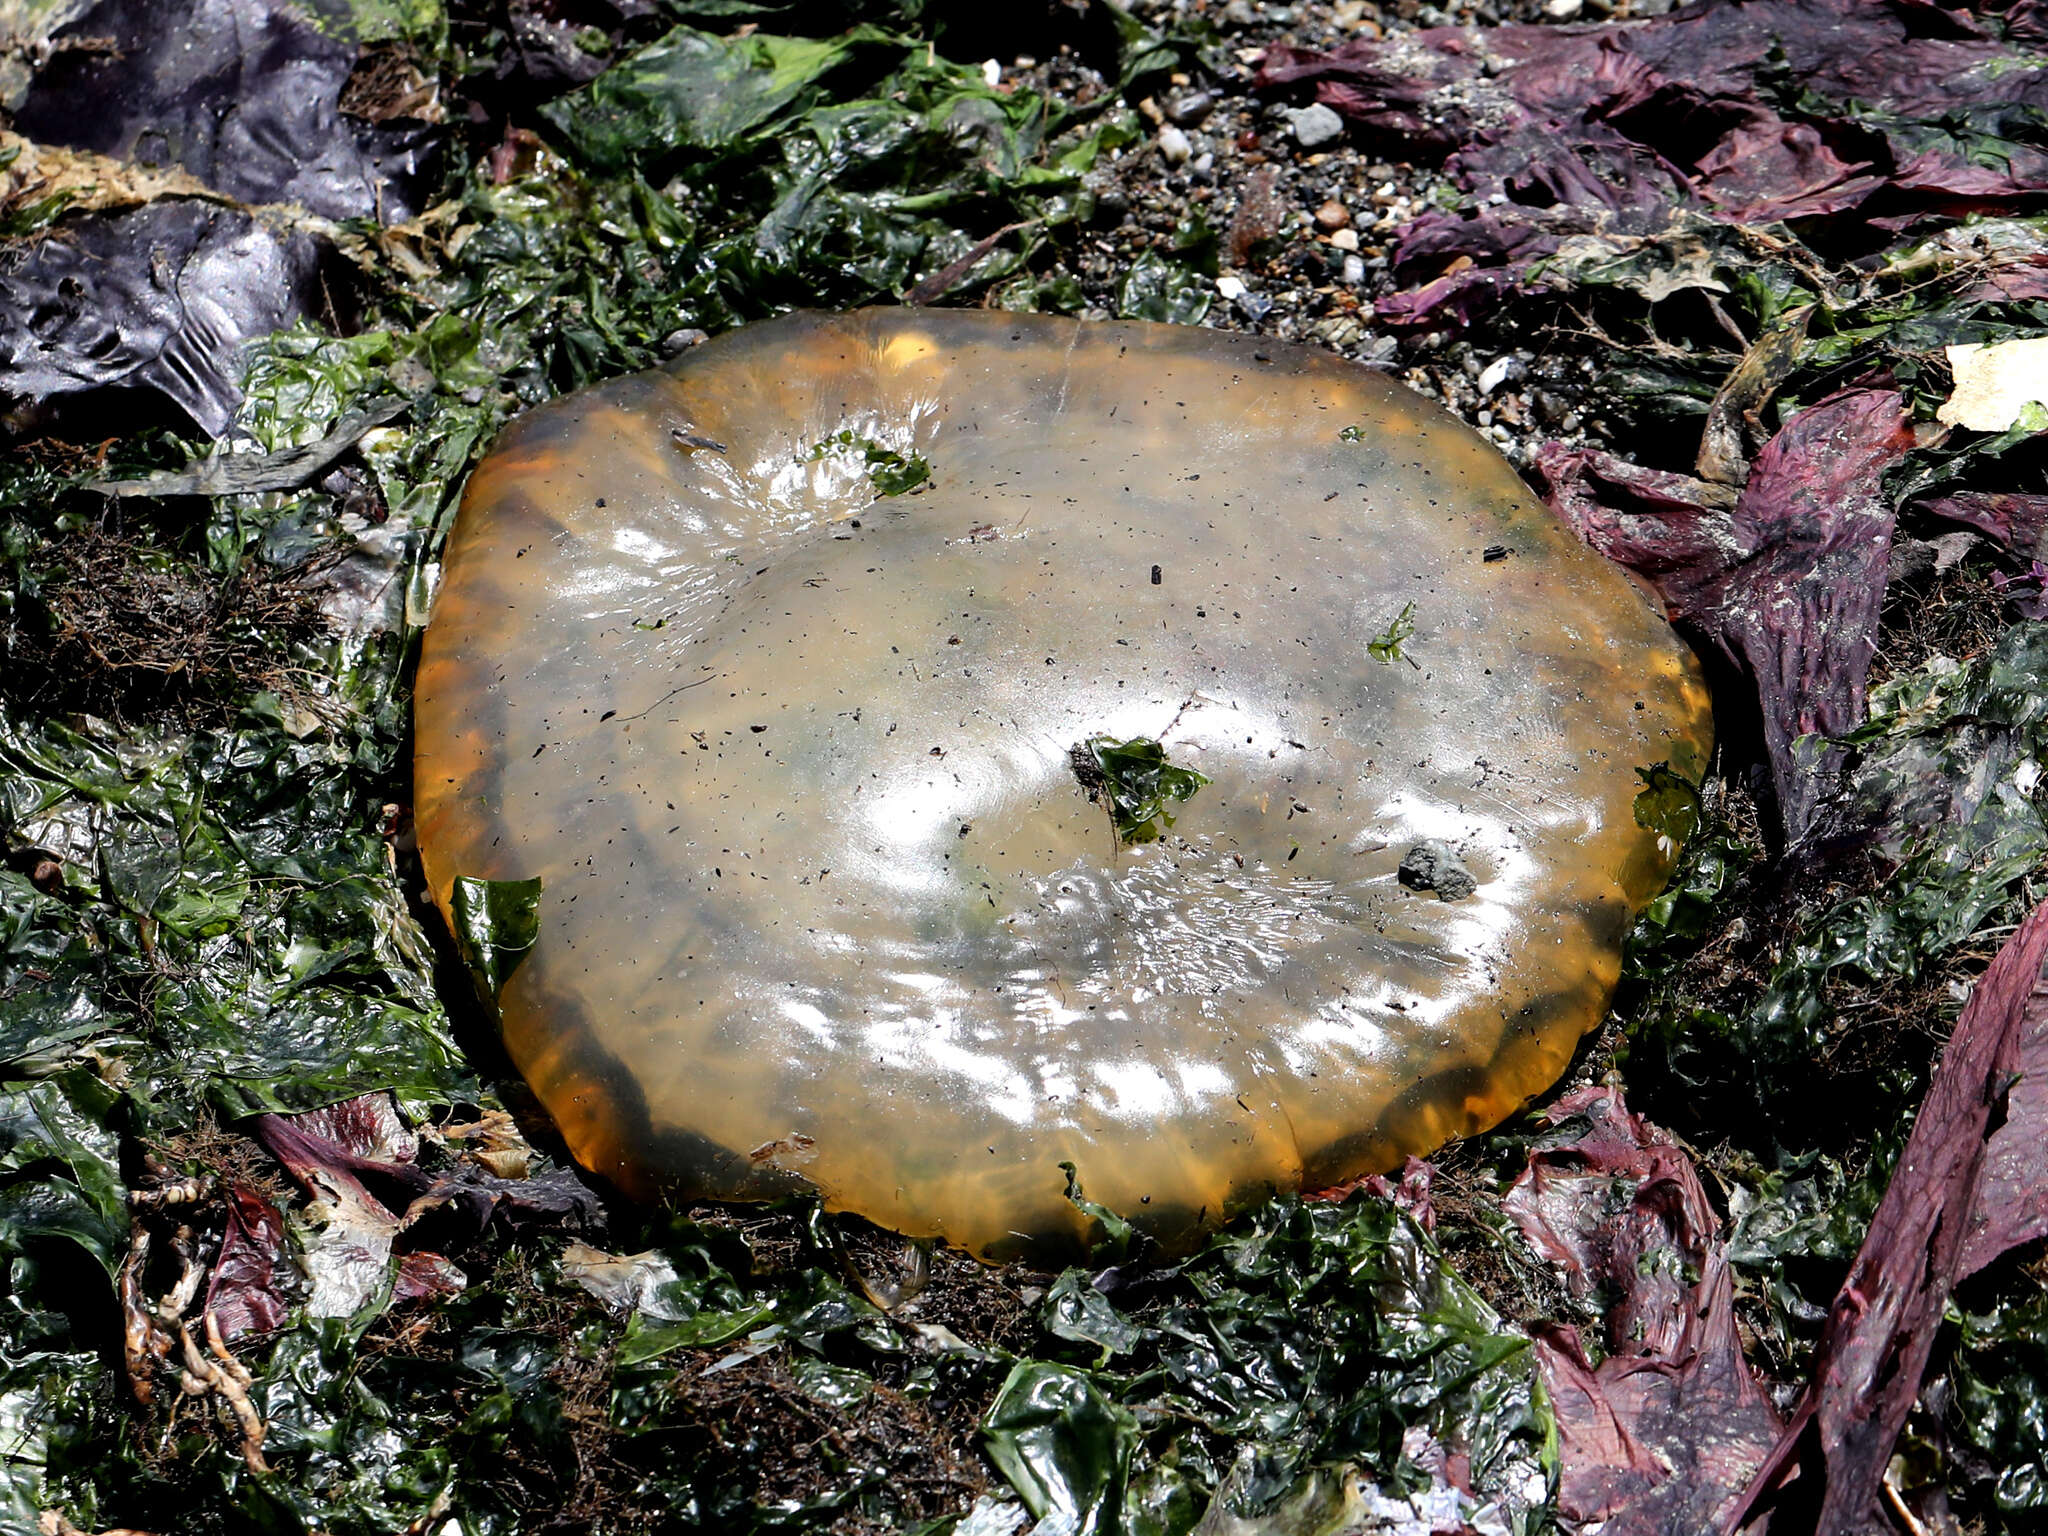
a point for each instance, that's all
(496, 923)
(694, 91)
(1172, 292)
(1063, 1445)
(1137, 783)
(1386, 646)
(892, 473)
(646, 1340)
(2001, 1383)
(1075, 1309)
(62, 1126)
(1668, 805)
(1110, 1235)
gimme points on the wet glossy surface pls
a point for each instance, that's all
(822, 898)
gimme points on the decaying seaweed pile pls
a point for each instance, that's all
(286, 1249)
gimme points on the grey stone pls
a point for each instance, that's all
(1499, 372)
(1432, 865)
(1317, 126)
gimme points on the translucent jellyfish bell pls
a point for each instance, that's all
(770, 665)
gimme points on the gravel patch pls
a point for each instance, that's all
(1306, 212)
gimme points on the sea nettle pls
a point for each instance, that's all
(953, 745)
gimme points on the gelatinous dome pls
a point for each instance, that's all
(823, 897)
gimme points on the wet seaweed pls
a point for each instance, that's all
(211, 926)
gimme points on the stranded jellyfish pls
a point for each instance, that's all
(799, 673)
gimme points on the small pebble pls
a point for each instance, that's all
(1229, 287)
(1432, 865)
(1333, 215)
(1173, 145)
(1345, 240)
(1190, 110)
(676, 342)
(1317, 126)
(1354, 270)
(1498, 372)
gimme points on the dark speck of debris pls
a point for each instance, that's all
(1431, 865)
(1087, 771)
(1157, 576)
(1496, 552)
